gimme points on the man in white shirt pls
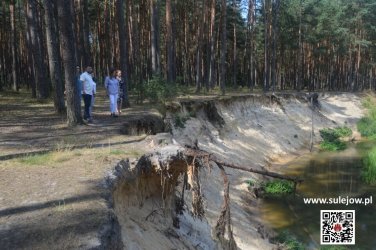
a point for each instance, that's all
(87, 91)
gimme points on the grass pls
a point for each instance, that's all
(332, 138)
(336, 145)
(278, 187)
(367, 125)
(289, 241)
(46, 159)
(369, 170)
(116, 152)
(36, 160)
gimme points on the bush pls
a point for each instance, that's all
(369, 170)
(278, 187)
(157, 90)
(332, 134)
(179, 121)
(367, 125)
(333, 145)
(331, 138)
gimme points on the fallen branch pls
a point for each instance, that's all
(211, 157)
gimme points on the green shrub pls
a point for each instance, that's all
(289, 241)
(332, 134)
(367, 125)
(278, 187)
(331, 138)
(157, 90)
(179, 121)
(333, 145)
(369, 169)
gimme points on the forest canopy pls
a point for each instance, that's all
(312, 45)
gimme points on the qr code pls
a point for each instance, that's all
(337, 227)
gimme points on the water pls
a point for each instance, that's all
(328, 175)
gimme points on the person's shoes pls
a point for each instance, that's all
(115, 115)
(90, 120)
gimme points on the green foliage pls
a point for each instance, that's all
(36, 160)
(331, 138)
(250, 182)
(157, 90)
(331, 134)
(369, 169)
(179, 121)
(278, 187)
(336, 145)
(116, 152)
(289, 241)
(367, 125)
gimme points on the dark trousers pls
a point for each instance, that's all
(87, 101)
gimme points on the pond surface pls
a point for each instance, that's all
(325, 174)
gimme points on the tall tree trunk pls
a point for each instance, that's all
(42, 86)
(199, 36)
(223, 45)
(266, 45)
(69, 61)
(170, 46)
(212, 44)
(54, 57)
(79, 32)
(251, 28)
(155, 52)
(86, 30)
(234, 50)
(123, 48)
(30, 57)
(300, 53)
(275, 37)
(13, 45)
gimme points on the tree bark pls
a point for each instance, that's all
(54, 57)
(69, 61)
(266, 45)
(155, 52)
(170, 46)
(86, 31)
(275, 37)
(212, 44)
(123, 48)
(42, 86)
(223, 46)
(13, 46)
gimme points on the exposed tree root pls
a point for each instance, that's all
(225, 216)
(157, 175)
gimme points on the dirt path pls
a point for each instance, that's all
(57, 200)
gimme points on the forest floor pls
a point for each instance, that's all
(55, 200)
